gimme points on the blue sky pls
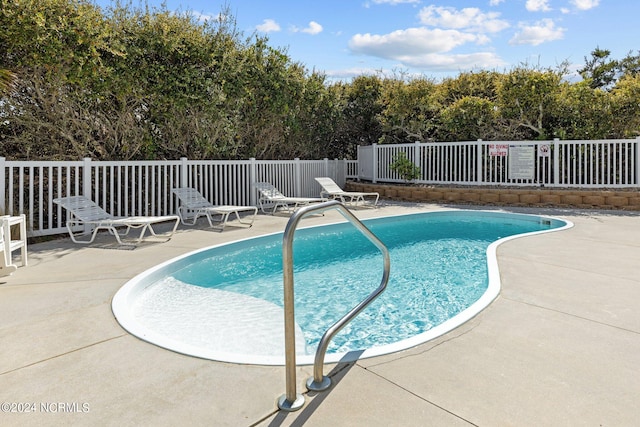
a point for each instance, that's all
(435, 39)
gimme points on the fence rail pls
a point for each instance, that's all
(132, 188)
(144, 188)
(556, 163)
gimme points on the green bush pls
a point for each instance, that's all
(405, 167)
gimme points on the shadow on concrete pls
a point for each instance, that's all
(311, 405)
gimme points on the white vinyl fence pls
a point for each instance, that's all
(131, 188)
(144, 187)
(556, 163)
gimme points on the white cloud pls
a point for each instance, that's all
(313, 28)
(390, 72)
(469, 18)
(203, 18)
(585, 4)
(538, 5)
(429, 47)
(412, 41)
(424, 48)
(541, 32)
(495, 2)
(439, 62)
(268, 26)
(350, 72)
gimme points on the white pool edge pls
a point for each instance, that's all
(125, 296)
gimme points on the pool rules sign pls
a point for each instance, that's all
(522, 161)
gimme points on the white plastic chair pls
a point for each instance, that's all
(18, 242)
(332, 190)
(193, 205)
(6, 268)
(269, 194)
(85, 212)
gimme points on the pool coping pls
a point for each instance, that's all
(125, 296)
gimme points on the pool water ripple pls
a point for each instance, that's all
(226, 302)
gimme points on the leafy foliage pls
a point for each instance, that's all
(599, 70)
(147, 83)
(468, 119)
(525, 101)
(359, 105)
(625, 104)
(404, 167)
(582, 113)
(410, 111)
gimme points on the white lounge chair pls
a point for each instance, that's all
(6, 267)
(269, 194)
(193, 205)
(332, 190)
(85, 212)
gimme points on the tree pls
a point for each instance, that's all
(409, 110)
(482, 84)
(525, 102)
(151, 83)
(599, 70)
(581, 112)
(625, 107)
(468, 119)
(360, 106)
(63, 37)
(630, 65)
(56, 49)
(313, 121)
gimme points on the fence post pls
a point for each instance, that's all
(3, 187)
(374, 160)
(358, 159)
(416, 156)
(556, 161)
(86, 178)
(345, 164)
(184, 172)
(297, 184)
(479, 147)
(637, 160)
(87, 186)
(253, 173)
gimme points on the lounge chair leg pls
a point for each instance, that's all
(223, 221)
(74, 239)
(250, 223)
(153, 233)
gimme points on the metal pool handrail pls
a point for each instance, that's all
(291, 400)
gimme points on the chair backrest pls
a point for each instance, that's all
(190, 198)
(83, 208)
(268, 190)
(329, 185)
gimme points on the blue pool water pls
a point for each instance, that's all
(227, 300)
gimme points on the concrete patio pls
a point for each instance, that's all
(559, 346)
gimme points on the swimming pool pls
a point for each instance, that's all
(225, 302)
